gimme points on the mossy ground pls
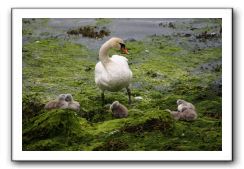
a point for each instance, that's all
(162, 73)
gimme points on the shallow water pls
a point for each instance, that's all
(182, 31)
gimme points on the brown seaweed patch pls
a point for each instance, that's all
(206, 35)
(90, 32)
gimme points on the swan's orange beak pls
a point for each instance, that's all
(124, 50)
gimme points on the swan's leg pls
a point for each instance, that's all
(129, 94)
(103, 98)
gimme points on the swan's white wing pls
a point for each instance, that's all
(115, 76)
(122, 62)
(100, 73)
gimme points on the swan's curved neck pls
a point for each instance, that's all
(103, 53)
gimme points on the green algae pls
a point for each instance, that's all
(103, 21)
(162, 73)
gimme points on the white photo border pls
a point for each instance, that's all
(227, 148)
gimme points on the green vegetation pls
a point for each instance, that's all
(162, 73)
(103, 21)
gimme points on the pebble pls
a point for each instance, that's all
(138, 98)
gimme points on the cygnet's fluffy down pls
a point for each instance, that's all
(118, 110)
(59, 103)
(73, 105)
(182, 104)
(185, 111)
(64, 101)
(186, 114)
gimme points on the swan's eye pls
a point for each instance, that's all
(122, 45)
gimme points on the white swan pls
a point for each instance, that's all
(113, 73)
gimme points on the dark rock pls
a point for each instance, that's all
(171, 25)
